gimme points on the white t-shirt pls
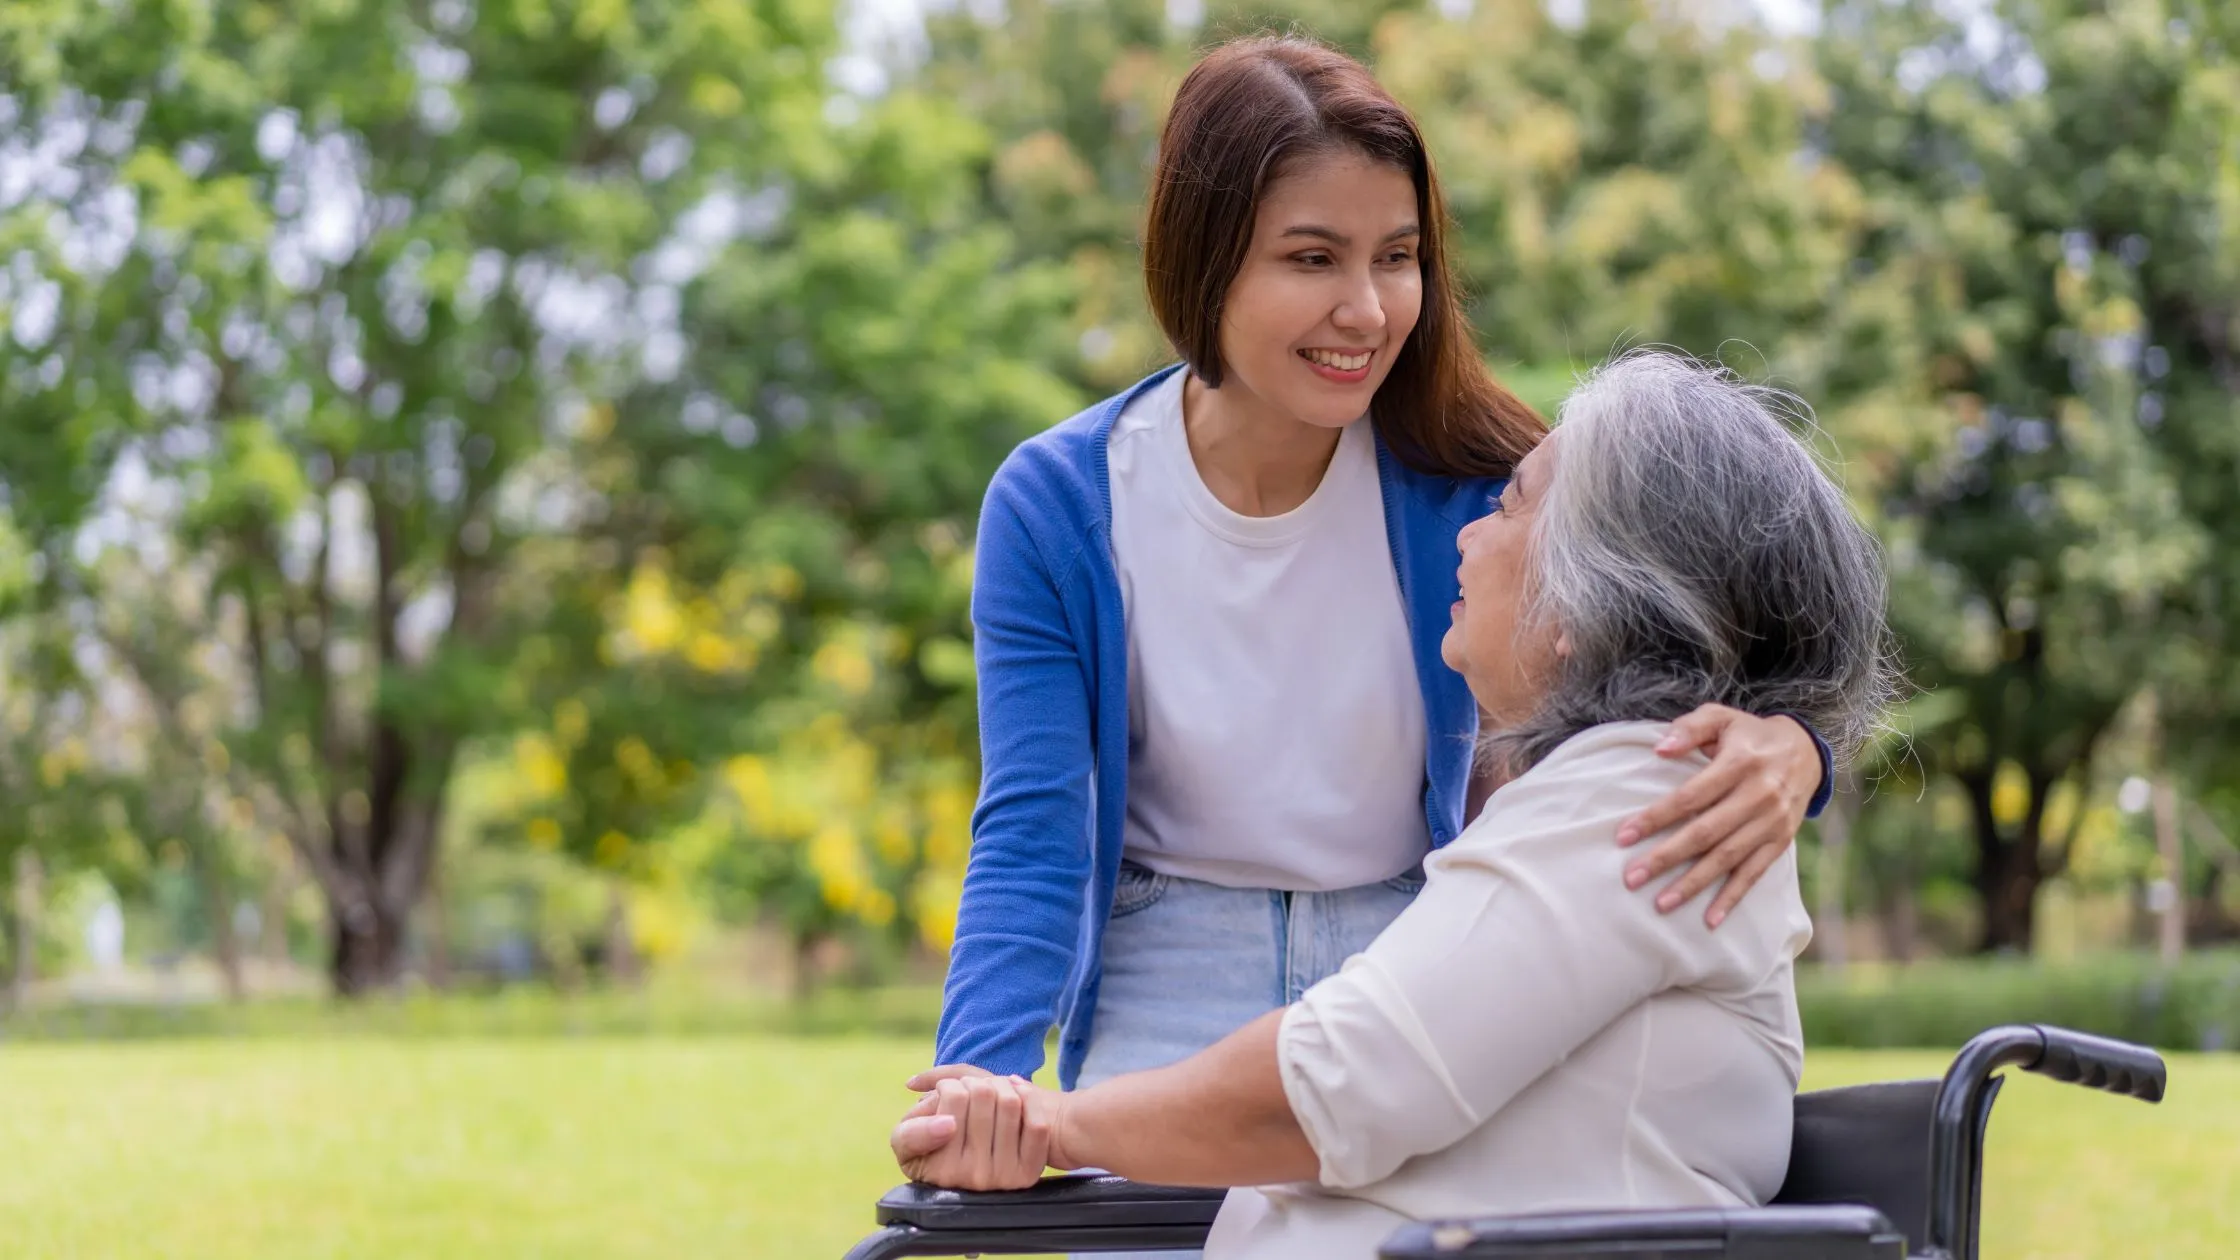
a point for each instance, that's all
(1275, 724)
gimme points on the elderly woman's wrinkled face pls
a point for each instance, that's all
(1505, 660)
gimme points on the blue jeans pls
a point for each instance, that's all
(1187, 963)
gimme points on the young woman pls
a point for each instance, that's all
(1218, 738)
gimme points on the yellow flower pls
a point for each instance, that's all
(544, 833)
(837, 863)
(948, 826)
(659, 926)
(844, 665)
(892, 837)
(2010, 794)
(933, 902)
(711, 653)
(748, 777)
(783, 581)
(612, 849)
(852, 773)
(650, 614)
(639, 763)
(542, 769)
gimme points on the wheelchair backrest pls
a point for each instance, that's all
(1866, 1144)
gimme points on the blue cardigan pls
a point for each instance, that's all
(1050, 644)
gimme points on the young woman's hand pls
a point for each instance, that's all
(978, 1132)
(1744, 808)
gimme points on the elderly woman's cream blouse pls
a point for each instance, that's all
(1532, 1036)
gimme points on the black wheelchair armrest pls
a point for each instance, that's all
(1075, 1212)
(1833, 1232)
(1067, 1199)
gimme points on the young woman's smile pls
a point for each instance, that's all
(1340, 366)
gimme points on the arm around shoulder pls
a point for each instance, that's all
(1523, 945)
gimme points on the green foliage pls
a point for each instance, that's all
(441, 378)
(2194, 1006)
(2031, 357)
(591, 401)
(1991, 250)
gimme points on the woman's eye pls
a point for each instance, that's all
(1399, 256)
(1314, 260)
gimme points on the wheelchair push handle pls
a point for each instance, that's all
(1963, 1106)
(2100, 1063)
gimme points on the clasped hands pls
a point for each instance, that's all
(972, 1130)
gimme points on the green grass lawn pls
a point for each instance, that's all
(763, 1146)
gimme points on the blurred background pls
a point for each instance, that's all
(487, 491)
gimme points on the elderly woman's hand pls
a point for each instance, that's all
(1746, 806)
(978, 1132)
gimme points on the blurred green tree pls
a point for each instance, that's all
(2033, 357)
(397, 330)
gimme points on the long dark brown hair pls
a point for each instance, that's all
(1244, 114)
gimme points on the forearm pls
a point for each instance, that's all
(1218, 1118)
(1006, 974)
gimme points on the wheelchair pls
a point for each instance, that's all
(1884, 1171)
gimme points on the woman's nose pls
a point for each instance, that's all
(1462, 539)
(1361, 310)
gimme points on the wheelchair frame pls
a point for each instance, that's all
(1079, 1213)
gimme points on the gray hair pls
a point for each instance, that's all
(1691, 550)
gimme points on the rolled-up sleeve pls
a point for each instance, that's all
(1352, 1050)
(1524, 944)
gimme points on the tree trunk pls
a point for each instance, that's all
(804, 964)
(2007, 866)
(272, 925)
(2170, 940)
(26, 906)
(368, 949)
(621, 951)
(1900, 917)
(377, 875)
(217, 907)
(2008, 888)
(436, 930)
(1830, 932)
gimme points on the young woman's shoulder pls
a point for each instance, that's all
(1048, 497)
(1056, 470)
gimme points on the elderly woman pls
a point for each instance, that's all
(1527, 1035)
